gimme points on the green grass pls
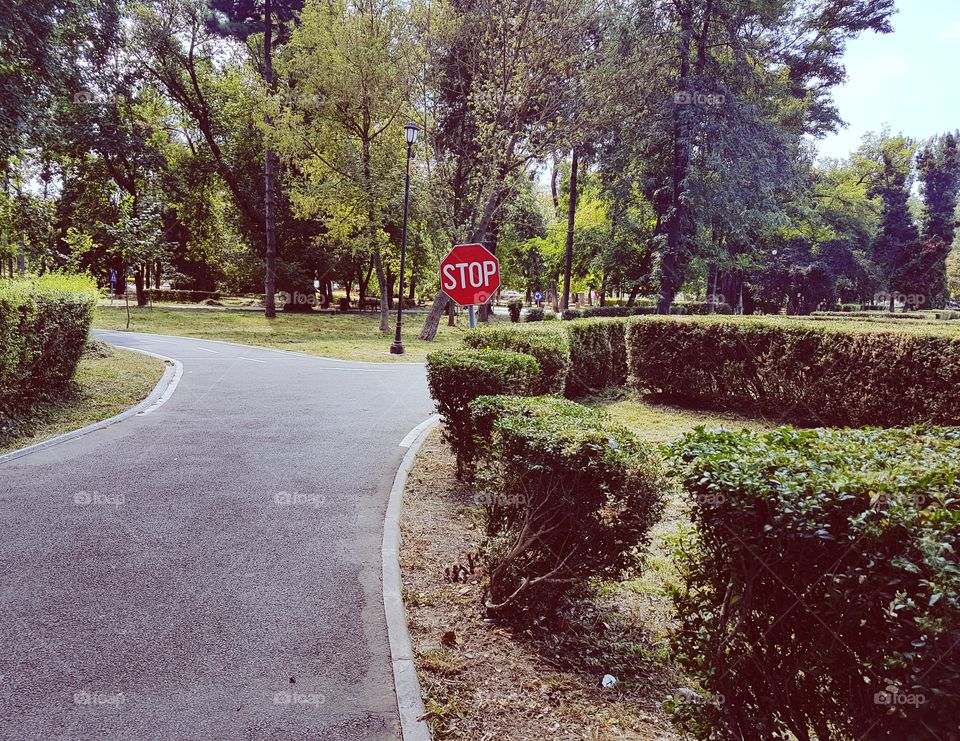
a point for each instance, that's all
(657, 421)
(346, 336)
(107, 382)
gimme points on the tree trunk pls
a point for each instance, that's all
(413, 285)
(553, 185)
(391, 282)
(571, 219)
(451, 314)
(138, 281)
(432, 322)
(676, 258)
(269, 283)
(156, 276)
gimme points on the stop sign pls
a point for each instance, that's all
(470, 274)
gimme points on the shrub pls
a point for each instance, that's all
(515, 306)
(571, 314)
(701, 308)
(549, 316)
(598, 355)
(803, 374)
(550, 348)
(568, 495)
(534, 314)
(178, 296)
(44, 323)
(821, 594)
(618, 311)
(458, 377)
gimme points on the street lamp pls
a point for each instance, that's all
(411, 130)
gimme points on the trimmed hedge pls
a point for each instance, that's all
(598, 355)
(617, 311)
(178, 296)
(44, 323)
(821, 595)
(457, 377)
(569, 496)
(550, 347)
(805, 375)
(534, 314)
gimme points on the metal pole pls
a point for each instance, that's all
(397, 347)
(473, 316)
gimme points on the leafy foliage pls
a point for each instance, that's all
(44, 324)
(820, 592)
(550, 348)
(571, 497)
(458, 377)
(807, 375)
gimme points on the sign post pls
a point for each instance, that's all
(470, 275)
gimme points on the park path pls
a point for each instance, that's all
(235, 591)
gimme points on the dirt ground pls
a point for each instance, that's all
(484, 682)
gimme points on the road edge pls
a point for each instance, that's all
(406, 684)
(155, 399)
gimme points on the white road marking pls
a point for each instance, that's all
(252, 360)
(207, 349)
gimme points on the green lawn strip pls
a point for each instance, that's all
(659, 422)
(346, 336)
(106, 383)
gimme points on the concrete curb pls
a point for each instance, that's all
(161, 392)
(409, 700)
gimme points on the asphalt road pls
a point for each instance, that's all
(210, 570)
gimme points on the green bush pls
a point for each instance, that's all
(549, 316)
(592, 312)
(571, 314)
(515, 306)
(816, 375)
(598, 355)
(458, 377)
(177, 296)
(44, 323)
(821, 593)
(548, 346)
(534, 314)
(701, 308)
(569, 496)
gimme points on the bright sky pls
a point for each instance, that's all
(907, 79)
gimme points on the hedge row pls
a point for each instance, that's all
(550, 348)
(805, 375)
(44, 323)
(698, 307)
(821, 596)
(174, 295)
(569, 496)
(458, 377)
(575, 358)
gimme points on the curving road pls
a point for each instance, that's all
(210, 570)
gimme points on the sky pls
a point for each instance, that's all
(909, 79)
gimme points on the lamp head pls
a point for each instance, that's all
(412, 131)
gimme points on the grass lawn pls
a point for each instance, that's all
(347, 336)
(107, 382)
(656, 421)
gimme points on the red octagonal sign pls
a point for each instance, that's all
(470, 274)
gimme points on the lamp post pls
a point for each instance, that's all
(411, 130)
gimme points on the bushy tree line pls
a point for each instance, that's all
(638, 148)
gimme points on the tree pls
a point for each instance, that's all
(938, 167)
(500, 71)
(349, 65)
